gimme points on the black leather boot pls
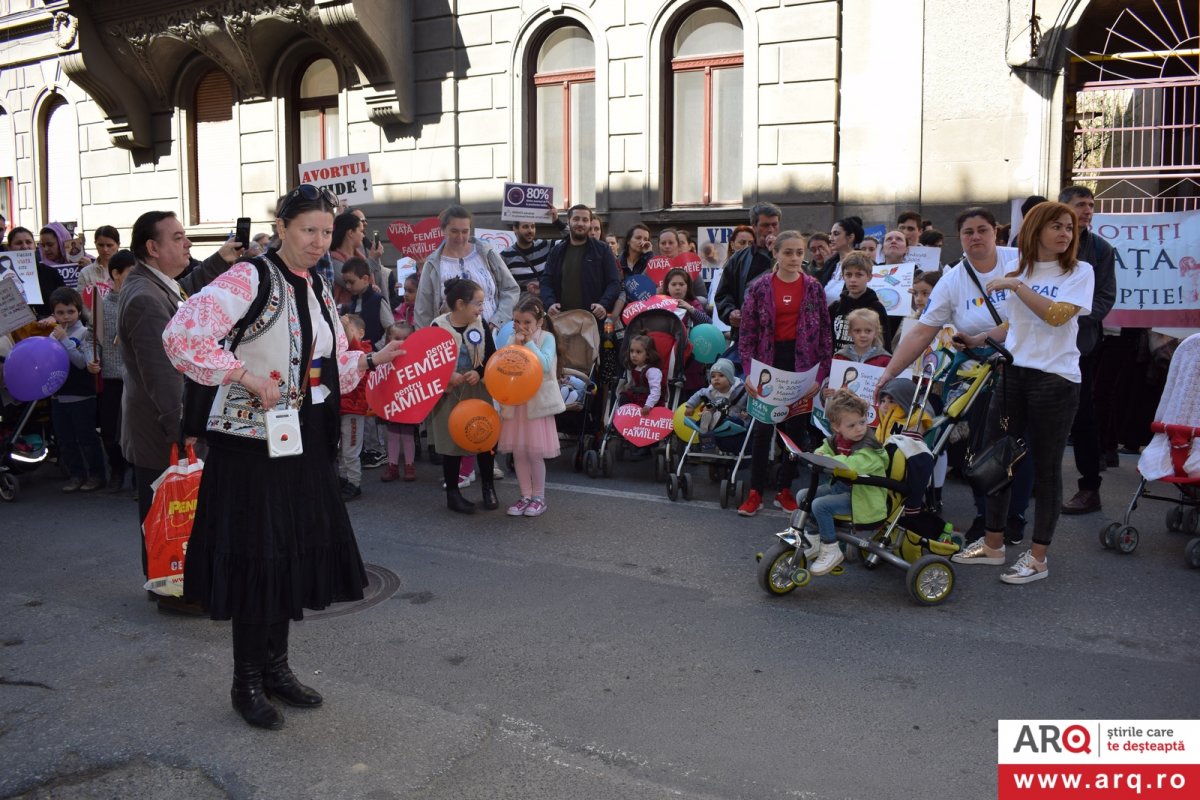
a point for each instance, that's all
(248, 694)
(490, 501)
(278, 679)
(456, 502)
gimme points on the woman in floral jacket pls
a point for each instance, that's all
(785, 323)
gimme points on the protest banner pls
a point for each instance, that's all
(641, 431)
(498, 240)
(877, 232)
(14, 312)
(415, 241)
(861, 379)
(712, 245)
(892, 284)
(1158, 274)
(23, 265)
(927, 259)
(658, 301)
(407, 389)
(526, 202)
(659, 266)
(69, 273)
(776, 394)
(348, 177)
(638, 287)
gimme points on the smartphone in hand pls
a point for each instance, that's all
(242, 232)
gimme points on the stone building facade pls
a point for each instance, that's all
(667, 112)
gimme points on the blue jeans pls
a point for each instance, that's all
(79, 445)
(831, 500)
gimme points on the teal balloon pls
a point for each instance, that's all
(707, 343)
(504, 334)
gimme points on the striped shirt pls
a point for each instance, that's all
(528, 265)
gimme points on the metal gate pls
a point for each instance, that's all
(1134, 109)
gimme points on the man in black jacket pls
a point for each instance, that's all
(580, 271)
(1084, 433)
(747, 264)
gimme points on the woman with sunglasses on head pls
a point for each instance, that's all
(271, 535)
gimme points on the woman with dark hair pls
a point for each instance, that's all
(271, 535)
(1038, 393)
(348, 235)
(957, 300)
(108, 241)
(637, 250)
(845, 236)
(48, 277)
(743, 237)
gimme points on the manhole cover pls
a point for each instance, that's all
(382, 583)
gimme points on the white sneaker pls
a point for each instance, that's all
(497, 473)
(1026, 570)
(463, 481)
(811, 541)
(830, 556)
(979, 553)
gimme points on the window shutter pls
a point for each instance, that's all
(215, 151)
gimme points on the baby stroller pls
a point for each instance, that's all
(1172, 457)
(666, 329)
(732, 445)
(916, 541)
(579, 352)
(23, 445)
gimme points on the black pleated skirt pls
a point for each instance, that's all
(271, 535)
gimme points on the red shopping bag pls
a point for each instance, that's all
(168, 526)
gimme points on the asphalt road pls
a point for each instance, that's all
(617, 647)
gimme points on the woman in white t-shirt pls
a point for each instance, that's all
(1039, 392)
(957, 301)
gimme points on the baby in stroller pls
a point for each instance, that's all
(724, 406)
(855, 445)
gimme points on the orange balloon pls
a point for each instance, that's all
(474, 426)
(513, 375)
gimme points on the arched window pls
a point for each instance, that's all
(215, 151)
(8, 166)
(705, 108)
(317, 111)
(564, 115)
(60, 164)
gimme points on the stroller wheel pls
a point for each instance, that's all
(660, 467)
(1192, 552)
(776, 568)
(685, 485)
(1108, 535)
(724, 490)
(930, 580)
(591, 464)
(607, 465)
(1192, 524)
(739, 492)
(9, 486)
(1126, 539)
(672, 487)
(1175, 519)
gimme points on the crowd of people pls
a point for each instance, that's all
(313, 309)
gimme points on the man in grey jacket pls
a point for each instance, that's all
(1085, 436)
(461, 255)
(152, 402)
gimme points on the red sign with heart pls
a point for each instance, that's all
(416, 241)
(659, 301)
(407, 389)
(658, 267)
(642, 431)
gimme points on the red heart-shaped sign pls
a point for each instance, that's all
(415, 241)
(658, 302)
(407, 389)
(641, 431)
(657, 269)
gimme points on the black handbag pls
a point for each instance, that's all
(991, 471)
(198, 399)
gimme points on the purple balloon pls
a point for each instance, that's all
(36, 368)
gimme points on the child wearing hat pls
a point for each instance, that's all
(724, 402)
(896, 414)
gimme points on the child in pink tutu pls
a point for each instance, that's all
(528, 431)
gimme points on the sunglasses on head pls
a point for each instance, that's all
(307, 192)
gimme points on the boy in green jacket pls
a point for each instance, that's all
(853, 444)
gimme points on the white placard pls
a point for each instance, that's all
(892, 284)
(499, 240)
(526, 202)
(348, 177)
(14, 311)
(23, 265)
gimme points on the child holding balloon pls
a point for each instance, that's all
(677, 284)
(464, 321)
(528, 430)
(73, 409)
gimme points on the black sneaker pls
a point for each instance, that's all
(372, 459)
(1014, 530)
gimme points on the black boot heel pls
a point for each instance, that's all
(456, 502)
(250, 698)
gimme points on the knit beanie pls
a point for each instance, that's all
(725, 367)
(901, 390)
